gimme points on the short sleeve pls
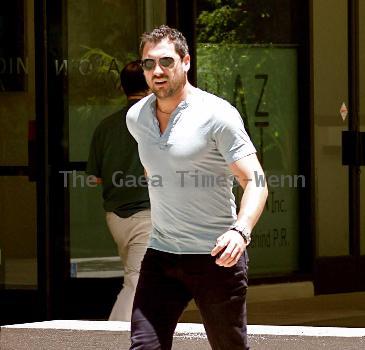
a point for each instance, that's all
(231, 138)
(138, 117)
(131, 120)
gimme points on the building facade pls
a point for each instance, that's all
(294, 70)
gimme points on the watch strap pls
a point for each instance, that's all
(243, 231)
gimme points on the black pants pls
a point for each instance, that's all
(169, 281)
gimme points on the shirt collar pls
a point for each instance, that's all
(182, 105)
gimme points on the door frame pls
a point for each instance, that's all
(13, 302)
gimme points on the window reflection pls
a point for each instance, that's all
(247, 54)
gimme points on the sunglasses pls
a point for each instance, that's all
(164, 62)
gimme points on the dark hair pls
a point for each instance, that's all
(132, 78)
(163, 32)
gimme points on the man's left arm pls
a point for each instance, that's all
(231, 244)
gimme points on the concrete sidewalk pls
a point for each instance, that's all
(115, 335)
(294, 316)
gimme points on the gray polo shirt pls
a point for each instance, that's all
(190, 185)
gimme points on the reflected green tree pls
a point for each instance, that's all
(102, 38)
(233, 49)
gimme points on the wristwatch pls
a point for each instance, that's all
(243, 231)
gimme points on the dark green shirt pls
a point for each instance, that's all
(114, 158)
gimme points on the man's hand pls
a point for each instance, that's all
(231, 245)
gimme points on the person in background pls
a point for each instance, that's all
(114, 162)
(196, 143)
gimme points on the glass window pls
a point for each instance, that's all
(103, 35)
(18, 196)
(247, 53)
(93, 252)
(18, 240)
(102, 38)
(16, 82)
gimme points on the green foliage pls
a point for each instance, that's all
(224, 24)
(235, 21)
(103, 81)
(235, 43)
(101, 41)
(228, 70)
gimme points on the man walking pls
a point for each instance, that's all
(195, 142)
(113, 159)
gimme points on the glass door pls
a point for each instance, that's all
(253, 54)
(89, 44)
(19, 285)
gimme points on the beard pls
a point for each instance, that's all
(172, 86)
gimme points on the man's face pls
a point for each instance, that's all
(165, 81)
